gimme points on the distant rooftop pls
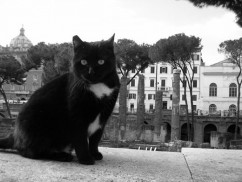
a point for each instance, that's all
(225, 62)
(21, 42)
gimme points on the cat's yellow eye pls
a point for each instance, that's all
(84, 62)
(101, 61)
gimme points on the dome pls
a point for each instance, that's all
(21, 42)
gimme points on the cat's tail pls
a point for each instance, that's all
(7, 143)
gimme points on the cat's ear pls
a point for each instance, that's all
(111, 39)
(109, 43)
(76, 41)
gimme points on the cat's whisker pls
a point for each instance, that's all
(73, 87)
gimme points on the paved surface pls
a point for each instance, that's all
(214, 165)
(129, 165)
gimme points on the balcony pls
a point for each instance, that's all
(222, 113)
(134, 111)
(164, 88)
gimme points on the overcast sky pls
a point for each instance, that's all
(144, 21)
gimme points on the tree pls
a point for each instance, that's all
(130, 56)
(63, 57)
(49, 71)
(233, 50)
(11, 71)
(235, 6)
(178, 50)
(40, 52)
(60, 62)
(39, 55)
(55, 59)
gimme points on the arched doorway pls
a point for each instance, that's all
(168, 132)
(184, 133)
(207, 132)
(231, 129)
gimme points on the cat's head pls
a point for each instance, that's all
(93, 61)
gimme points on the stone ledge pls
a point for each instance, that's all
(117, 165)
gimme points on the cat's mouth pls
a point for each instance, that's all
(86, 80)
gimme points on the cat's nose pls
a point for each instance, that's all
(90, 70)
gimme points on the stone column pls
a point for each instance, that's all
(163, 132)
(140, 105)
(158, 115)
(175, 117)
(122, 107)
(198, 132)
(222, 127)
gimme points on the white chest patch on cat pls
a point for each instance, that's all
(94, 126)
(101, 90)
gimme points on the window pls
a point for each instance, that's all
(183, 107)
(152, 69)
(163, 83)
(212, 108)
(194, 107)
(132, 96)
(133, 83)
(213, 90)
(131, 107)
(171, 70)
(195, 57)
(232, 109)
(184, 83)
(232, 90)
(152, 82)
(133, 70)
(164, 105)
(163, 69)
(194, 97)
(195, 69)
(183, 97)
(151, 107)
(149, 96)
(194, 83)
(154, 96)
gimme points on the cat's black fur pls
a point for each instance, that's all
(72, 110)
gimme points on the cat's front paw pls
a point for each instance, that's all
(86, 160)
(97, 156)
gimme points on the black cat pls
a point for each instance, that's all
(72, 110)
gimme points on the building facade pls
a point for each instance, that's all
(219, 89)
(17, 93)
(159, 77)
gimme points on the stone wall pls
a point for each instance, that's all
(112, 129)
